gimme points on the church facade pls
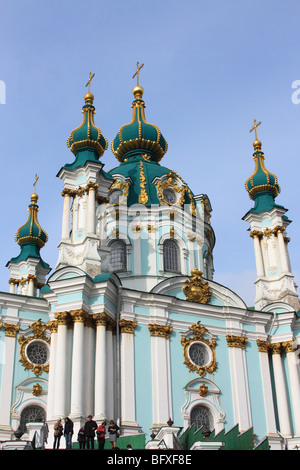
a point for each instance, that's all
(130, 324)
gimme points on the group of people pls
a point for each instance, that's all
(86, 434)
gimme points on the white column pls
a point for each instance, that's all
(110, 389)
(161, 380)
(258, 254)
(100, 367)
(65, 232)
(89, 367)
(281, 392)
(137, 251)
(282, 252)
(91, 209)
(293, 369)
(152, 250)
(239, 381)
(127, 374)
(61, 365)
(78, 385)
(7, 375)
(51, 380)
(263, 348)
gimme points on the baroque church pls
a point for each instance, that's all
(130, 325)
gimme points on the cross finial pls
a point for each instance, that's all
(138, 68)
(34, 184)
(89, 82)
(256, 124)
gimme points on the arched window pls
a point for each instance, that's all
(201, 416)
(32, 414)
(171, 256)
(118, 260)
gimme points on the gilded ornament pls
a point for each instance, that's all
(203, 390)
(37, 390)
(263, 346)
(38, 329)
(198, 333)
(143, 196)
(195, 289)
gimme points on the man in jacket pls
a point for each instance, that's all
(89, 431)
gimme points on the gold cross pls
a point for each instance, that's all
(137, 72)
(89, 82)
(255, 127)
(34, 184)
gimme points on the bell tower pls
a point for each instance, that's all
(85, 195)
(268, 224)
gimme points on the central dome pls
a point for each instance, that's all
(139, 135)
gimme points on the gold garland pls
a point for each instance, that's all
(199, 333)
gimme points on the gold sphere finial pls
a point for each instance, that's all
(89, 98)
(257, 145)
(34, 198)
(138, 92)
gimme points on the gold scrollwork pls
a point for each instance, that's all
(236, 341)
(123, 186)
(127, 326)
(198, 333)
(195, 289)
(38, 333)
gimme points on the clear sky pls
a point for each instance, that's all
(211, 68)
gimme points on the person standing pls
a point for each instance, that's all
(89, 431)
(81, 438)
(68, 432)
(113, 429)
(101, 431)
(58, 432)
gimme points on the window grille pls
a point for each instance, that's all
(118, 256)
(171, 256)
(32, 414)
(201, 416)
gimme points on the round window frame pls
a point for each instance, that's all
(171, 191)
(114, 192)
(46, 344)
(208, 351)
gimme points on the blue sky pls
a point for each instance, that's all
(210, 69)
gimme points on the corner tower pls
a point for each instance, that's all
(28, 271)
(84, 192)
(268, 223)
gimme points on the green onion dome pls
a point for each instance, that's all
(31, 231)
(87, 136)
(261, 180)
(262, 186)
(139, 134)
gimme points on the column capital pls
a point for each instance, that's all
(263, 346)
(276, 348)
(289, 346)
(163, 331)
(63, 318)
(127, 326)
(256, 234)
(79, 315)
(67, 192)
(11, 330)
(236, 341)
(101, 319)
(278, 229)
(52, 325)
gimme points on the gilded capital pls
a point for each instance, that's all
(263, 346)
(256, 234)
(236, 341)
(79, 315)
(289, 346)
(163, 331)
(11, 330)
(63, 318)
(127, 326)
(101, 319)
(276, 348)
(52, 325)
